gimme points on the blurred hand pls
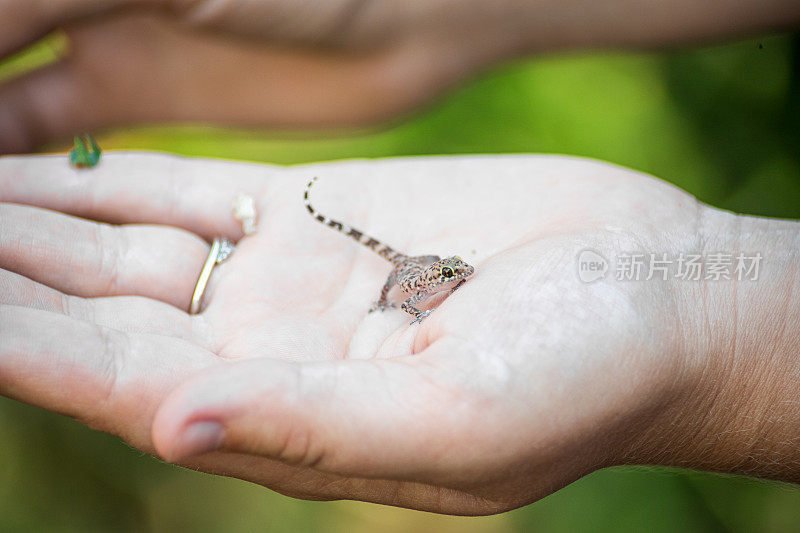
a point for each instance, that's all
(519, 383)
(275, 63)
(304, 63)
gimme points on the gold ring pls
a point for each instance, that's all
(221, 249)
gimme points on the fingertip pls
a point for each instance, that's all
(164, 431)
(180, 429)
(196, 438)
(193, 418)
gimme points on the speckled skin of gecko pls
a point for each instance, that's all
(420, 276)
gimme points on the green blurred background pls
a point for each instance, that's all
(722, 122)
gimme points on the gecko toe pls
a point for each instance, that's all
(421, 317)
(382, 306)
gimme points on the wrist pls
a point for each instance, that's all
(736, 409)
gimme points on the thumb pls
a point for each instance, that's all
(381, 418)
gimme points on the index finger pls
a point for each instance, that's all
(139, 187)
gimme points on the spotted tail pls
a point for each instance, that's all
(384, 250)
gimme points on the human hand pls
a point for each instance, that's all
(304, 64)
(273, 63)
(517, 384)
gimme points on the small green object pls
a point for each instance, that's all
(85, 153)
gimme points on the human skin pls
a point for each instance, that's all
(519, 383)
(309, 64)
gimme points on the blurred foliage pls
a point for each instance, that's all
(722, 122)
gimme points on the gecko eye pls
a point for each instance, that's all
(447, 272)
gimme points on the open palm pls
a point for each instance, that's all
(520, 382)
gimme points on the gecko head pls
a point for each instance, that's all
(450, 269)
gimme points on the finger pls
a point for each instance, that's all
(108, 379)
(86, 258)
(392, 419)
(129, 314)
(194, 194)
(49, 103)
(23, 21)
(101, 82)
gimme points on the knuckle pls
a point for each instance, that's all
(77, 308)
(112, 246)
(301, 445)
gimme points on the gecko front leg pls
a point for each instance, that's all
(408, 307)
(383, 302)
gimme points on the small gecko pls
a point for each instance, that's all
(420, 276)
